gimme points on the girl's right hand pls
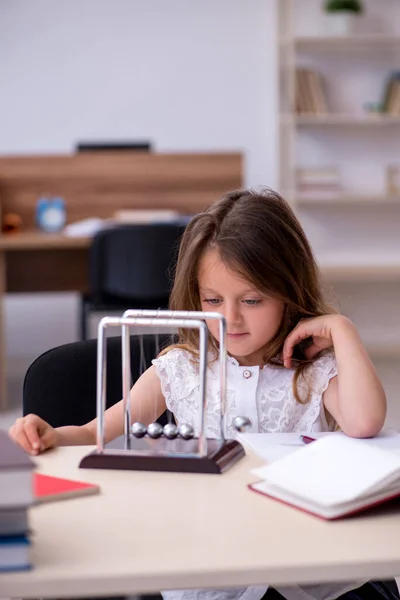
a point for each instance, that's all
(33, 434)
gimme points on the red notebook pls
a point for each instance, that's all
(48, 488)
(334, 477)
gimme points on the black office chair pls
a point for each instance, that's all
(60, 385)
(113, 146)
(131, 266)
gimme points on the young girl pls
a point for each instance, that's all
(293, 365)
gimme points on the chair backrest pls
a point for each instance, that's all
(60, 385)
(90, 146)
(134, 262)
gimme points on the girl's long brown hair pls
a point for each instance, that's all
(258, 236)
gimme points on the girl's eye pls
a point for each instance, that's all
(212, 301)
(250, 302)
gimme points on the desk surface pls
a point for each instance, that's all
(152, 531)
(37, 240)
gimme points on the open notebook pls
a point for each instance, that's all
(333, 477)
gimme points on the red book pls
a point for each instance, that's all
(335, 476)
(48, 488)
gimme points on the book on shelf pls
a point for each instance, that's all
(333, 477)
(310, 97)
(393, 179)
(318, 180)
(391, 100)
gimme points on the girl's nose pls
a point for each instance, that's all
(232, 313)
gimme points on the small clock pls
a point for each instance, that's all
(50, 214)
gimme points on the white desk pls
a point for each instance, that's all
(152, 531)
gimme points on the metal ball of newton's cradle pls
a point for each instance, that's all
(186, 431)
(155, 430)
(241, 423)
(170, 431)
(138, 429)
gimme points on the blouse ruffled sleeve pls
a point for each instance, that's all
(178, 374)
(320, 372)
(312, 384)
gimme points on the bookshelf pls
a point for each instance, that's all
(334, 159)
(365, 43)
(346, 120)
(346, 199)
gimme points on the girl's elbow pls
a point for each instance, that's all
(366, 427)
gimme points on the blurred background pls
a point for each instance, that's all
(305, 94)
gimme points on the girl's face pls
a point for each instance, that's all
(252, 318)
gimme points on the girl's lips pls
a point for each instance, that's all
(236, 335)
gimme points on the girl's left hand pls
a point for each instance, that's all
(319, 329)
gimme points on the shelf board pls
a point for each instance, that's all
(345, 199)
(369, 42)
(356, 273)
(382, 349)
(343, 119)
(358, 266)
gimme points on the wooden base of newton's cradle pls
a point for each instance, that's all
(161, 454)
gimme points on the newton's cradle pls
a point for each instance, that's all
(172, 447)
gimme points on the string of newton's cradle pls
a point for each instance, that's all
(154, 429)
(143, 367)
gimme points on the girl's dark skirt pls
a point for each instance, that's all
(372, 590)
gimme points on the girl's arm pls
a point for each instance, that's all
(146, 401)
(355, 398)
(147, 404)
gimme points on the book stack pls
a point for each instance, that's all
(318, 181)
(16, 496)
(310, 97)
(391, 101)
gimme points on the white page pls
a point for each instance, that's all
(86, 227)
(387, 439)
(332, 470)
(272, 446)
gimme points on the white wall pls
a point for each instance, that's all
(186, 74)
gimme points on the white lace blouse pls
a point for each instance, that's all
(265, 395)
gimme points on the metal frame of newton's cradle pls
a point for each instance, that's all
(196, 455)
